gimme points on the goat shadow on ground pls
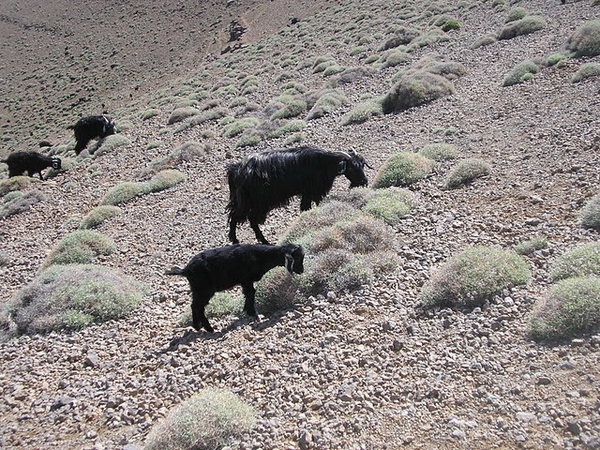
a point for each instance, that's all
(190, 335)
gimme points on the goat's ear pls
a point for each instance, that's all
(289, 263)
(342, 167)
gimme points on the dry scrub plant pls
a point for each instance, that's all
(578, 262)
(403, 169)
(206, 421)
(473, 277)
(466, 172)
(590, 214)
(128, 190)
(521, 73)
(98, 215)
(526, 25)
(346, 246)
(80, 247)
(70, 297)
(585, 40)
(17, 183)
(571, 308)
(17, 202)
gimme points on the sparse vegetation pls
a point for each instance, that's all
(70, 297)
(164, 179)
(587, 70)
(180, 114)
(18, 183)
(590, 215)
(415, 89)
(521, 73)
(205, 421)
(108, 144)
(80, 247)
(515, 13)
(189, 151)
(530, 246)
(439, 152)
(578, 262)
(19, 202)
(466, 172)
(122, 193)
(570, 309)
(473, 277)
(98, 215)
(390, 205)
(585, 41)
(403, 169)
(526, 25)
(362, 112)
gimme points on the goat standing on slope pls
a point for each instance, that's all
(30, 162)
(269, 180)
(222, 268)
(91, 127)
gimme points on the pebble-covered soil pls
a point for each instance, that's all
(368, 369)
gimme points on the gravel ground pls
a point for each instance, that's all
(361, 370)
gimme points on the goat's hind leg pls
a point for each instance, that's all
(259, 236)
(199, 319)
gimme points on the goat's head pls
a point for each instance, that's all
(294, 258)
(352, 166)
(56, 163)
(109, 126)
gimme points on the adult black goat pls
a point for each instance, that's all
(222, 268)
(30, 162)
(269, 180)
(91, 127)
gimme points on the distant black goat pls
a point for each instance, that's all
(269, 180)
(91, 127)
(222, 268)
(30, 162)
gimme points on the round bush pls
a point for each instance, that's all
(588, 70)
(466, 172)
(520, 73)
(570, 309)
(206, 421)
(122, 193)
(416, 89)
(390, 205)
(526, 25)
(439, 151)
(578, 262)
(98, 215)
(590, 215)
(164, 179)
(585, 41)
(80, 247)
(180, 114)
(72, 297)
(403, 169)
(474, 276)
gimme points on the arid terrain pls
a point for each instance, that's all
(367, 369)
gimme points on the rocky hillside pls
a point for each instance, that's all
(367, 369)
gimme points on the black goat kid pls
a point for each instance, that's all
(222, 268)
(269, 180)
(30, 162)
(91, 127)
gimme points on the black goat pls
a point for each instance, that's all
(30, 162)
(91, 127)
(222, 268)
(269, 180)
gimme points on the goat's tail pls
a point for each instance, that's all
(175, 271)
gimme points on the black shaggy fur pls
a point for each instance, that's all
(91, 127)
(269, 180)
(222, 268)
(30, 162)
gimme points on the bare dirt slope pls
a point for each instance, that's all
(360, 370)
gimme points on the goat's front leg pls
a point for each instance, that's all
(199, 302)
(305, 203)
(249, 293)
